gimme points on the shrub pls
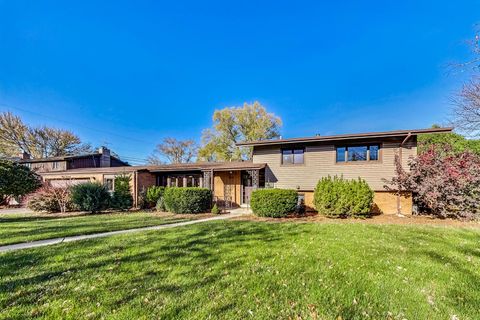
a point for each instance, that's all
(90, 196)
(122, 196)
(340, 197)
(187, 199)
(51, 199)
(447, 185)
(153, 194)
(160, 206)
(273, 202)
(215, 209)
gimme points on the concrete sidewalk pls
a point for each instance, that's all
(48, 242)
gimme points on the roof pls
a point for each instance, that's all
(352, 136)
(196, 166)
(68, 157)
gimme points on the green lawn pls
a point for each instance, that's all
(17, 228)
(250, 270)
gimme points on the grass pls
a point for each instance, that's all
(17, 228)
(250, 270)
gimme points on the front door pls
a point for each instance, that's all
(247, 193)
(247, 187)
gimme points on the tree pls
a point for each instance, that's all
(444, 184)
(467, 102)
(467, 108)
(452, 143)
(175, 151)
(16, 180)
(39, 142)
(236, 124)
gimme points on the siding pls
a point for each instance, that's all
(319, 161)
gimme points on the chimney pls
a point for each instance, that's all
(25, 156)
(105, 159)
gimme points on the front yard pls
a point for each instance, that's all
(251, 270)
(15, 228)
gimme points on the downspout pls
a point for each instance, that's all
(400, 159)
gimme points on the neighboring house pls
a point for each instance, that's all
(283, 163)
(100, 159)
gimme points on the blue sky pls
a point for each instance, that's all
(129, 73)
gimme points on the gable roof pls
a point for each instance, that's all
(339, 137)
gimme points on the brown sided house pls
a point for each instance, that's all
(300, 162)
(283, 163)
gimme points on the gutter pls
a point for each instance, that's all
(400, 158)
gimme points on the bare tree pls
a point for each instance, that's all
(467, 102)
(39, 142)
(175, 151)
(467, 108)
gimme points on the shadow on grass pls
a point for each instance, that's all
(188, 249)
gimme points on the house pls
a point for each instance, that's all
(296, 163)
(100, 159)
(299, 163)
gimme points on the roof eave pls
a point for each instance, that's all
(388, 134)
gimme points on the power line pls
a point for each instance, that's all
(76, 124)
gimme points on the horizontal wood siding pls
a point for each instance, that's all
(319, 161)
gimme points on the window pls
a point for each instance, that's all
(292, 156)
(357, 153)
(55, 165)
(374, 152)
(341, 154)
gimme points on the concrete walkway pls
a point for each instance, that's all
(48, 242)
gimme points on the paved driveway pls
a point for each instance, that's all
(15, 210)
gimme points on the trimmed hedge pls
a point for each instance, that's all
(340, 197)
(187, 199)
(90, 196)
(274, 203)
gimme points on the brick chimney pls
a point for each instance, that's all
(24, 156)
(105, 160)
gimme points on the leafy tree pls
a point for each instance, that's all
(175, 151)
(39, 142)
(122, 196)
(16, 180)
(453, 143)
(445, 184)
(236, 124)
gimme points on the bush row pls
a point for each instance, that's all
(92, 197)
(333, 197)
